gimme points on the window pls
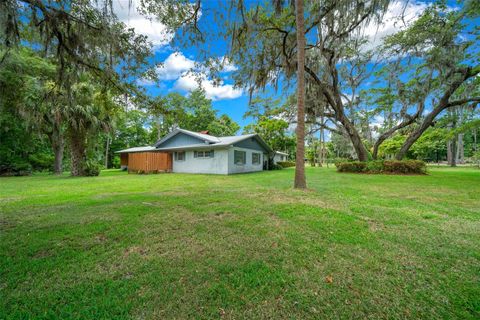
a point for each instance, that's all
(239, 157)
(203, 154)
(208, 154)
(255, 158)
(180, 156)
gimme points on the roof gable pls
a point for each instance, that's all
(180, 139)
(200, 137)
(252, 141)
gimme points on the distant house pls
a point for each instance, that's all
(280, 156)
(192, 152)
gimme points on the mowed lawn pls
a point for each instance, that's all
(241, 247)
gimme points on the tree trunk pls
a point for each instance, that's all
(159, 129)
(106, 152)
(77, 149)
(355, 138)
(474, 140)
(449, 152)
(58, 146)
(58, 151)
(349, 126)
(322, 139)
(300, 181)
(452, 152)
(459, 155)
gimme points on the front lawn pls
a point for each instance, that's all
(241, 247)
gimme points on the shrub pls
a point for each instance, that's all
(116, 162)
(405, 166)
(41, 161)
(337, 160)
(286, 164)
(390, 166)
(375, 166)
(92, 169)
(275, 166)
(351, 166)
(18, 168)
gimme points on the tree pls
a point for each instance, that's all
(75, 33)
(264, 47)
(300, 181)
(223, 126)
(431, 48)
(194, 113)
(91, 111)
(274, 132)
(28, 91)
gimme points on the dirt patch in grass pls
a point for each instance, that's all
(135, 250)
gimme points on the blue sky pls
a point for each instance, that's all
(174, 73)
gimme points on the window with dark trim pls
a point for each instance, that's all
(180, 156)
(239, 157)
(203, 154)
(255, 158)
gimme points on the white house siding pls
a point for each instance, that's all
(279, 157)
(248, 166)
(216, 165)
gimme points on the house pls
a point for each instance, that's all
(280, 156)
(193, 152)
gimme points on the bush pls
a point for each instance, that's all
(390, 166)
(351, 166)
(92, 169)
(41, 161)
(17, 168)
(116, 162)
(286, 164)
(405, 166)
(375, 166)
(275, 166)
(337, 160)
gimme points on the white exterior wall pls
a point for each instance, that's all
(279, 157)
(216, 165)
(248, 166)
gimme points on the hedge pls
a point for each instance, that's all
(286, 164)
(387, 166)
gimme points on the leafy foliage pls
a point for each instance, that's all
(286, 164)
(194, 113)
(383, 166)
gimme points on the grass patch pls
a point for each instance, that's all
(244, 246)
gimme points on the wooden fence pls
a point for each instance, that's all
(147, 162)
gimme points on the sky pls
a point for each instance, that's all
(176, 63)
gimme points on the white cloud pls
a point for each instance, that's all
(189, 82)
(399, 15)
(190, 75)
(227, 65)
(175, 66)
(377, 121)
(126, 11)
(145, 82)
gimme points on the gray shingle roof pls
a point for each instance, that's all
(198, 135)
(137, 149)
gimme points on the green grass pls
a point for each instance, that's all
(241, 247)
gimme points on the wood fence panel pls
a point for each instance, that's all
(147, 162)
